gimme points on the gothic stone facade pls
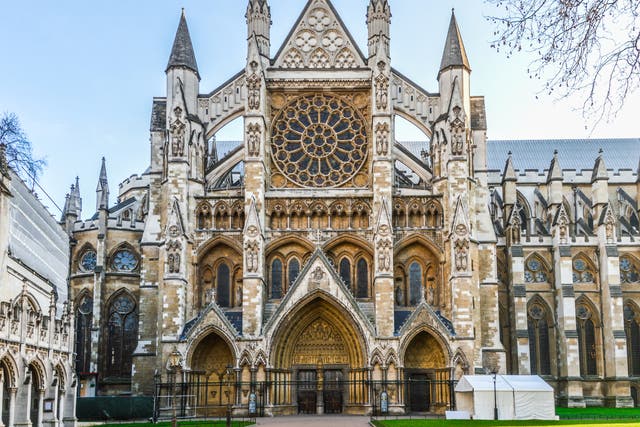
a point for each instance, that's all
(320, 247)
(37, 380)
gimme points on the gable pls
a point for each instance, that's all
(319, 40)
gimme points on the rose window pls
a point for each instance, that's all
(319, 141)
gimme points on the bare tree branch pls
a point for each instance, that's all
(586, 48)
(19, 151)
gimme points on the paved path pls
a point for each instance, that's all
(316, 421)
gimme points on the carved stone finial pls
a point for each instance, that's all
(3, 159)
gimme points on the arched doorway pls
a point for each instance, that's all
(426, 374)
(212, 363)
(319, 351)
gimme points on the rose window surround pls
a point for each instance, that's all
(319, 141)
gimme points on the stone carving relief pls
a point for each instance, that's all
(461, 248)
(384, 255)
(178, 128)
(254, 84)
(563, 226)
(382, 139)
(320, 343)
(174, 248)
(458, 134)
(253, 252)
(382, 88)
(253, 139)
(610, 226)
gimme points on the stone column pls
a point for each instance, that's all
(40, 407)
(13, 391)
(568, 353)
(518, 311)
(60, 408)
(1, 396)
(618, 393)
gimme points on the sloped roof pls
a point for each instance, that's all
(182, 54)
(573, 154)
(454, 54)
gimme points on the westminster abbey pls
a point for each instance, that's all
(322, 266)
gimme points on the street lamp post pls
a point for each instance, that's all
(495, 396)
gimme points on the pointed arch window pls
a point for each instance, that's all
(362, 290)
(586, 340)
(632, 329)
(84, 318)
(582, 271)
(122, 335)
(628, 270)
(276, 279)
(534, 271)
(223, 282)
(345, 271)
(539, 339)
(415, 283)
(294, 270)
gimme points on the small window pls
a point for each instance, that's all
(222, 286)
(586, 340)
(582, 272)
(294, 270)
(415, 283)
(276, 279)
(534, 271)
(363, 279)
(345, 272)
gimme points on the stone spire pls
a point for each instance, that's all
(182, 54)
(259, 25)
(454, 54)
(102, 190)
(378, 23)
(509, 173)
(75, 198)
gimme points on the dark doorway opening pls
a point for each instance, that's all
(333, 391)
(307, 392)
(419, 393)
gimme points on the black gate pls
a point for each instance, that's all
(419, 392)
(307, 392)
(332, 391)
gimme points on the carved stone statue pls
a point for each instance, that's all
(252, 257)
(253, 85)
(382, 138)
(177, 138)
(253, 139)
(462, 254)
(382, 91)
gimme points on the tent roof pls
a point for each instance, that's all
(503, 383)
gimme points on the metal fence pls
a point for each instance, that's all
(204, 399)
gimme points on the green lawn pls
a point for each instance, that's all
(621, 413)
(467, 423)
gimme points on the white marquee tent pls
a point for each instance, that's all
(518, 397)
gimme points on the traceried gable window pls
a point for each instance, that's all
(628, 270)
(582, 271)
(122, 335)
(534, 271)
(84, 317)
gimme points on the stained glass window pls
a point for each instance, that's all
(628, 271)
(319, 141)
(582, 272)
(223, 282)
(586, 340)
(122, 336)
(632, 329)
(363, 279)
(84, 317)
(276, 279)
(88, 261)
(124, 260)
(415, 283)
(294, 270)
(345, 271)
(534, 272)
(538, 340)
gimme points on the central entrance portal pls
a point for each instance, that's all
(329, 391)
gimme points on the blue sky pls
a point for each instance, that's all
(81, 74)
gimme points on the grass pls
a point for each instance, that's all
(467, 423)
(596, 413)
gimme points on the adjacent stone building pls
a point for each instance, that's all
(37, 379)
(320, 265)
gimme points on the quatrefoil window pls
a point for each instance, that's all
(319, 141)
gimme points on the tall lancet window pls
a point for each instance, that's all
(223, 282)
(586, 340)
(276, 279)
(123, 335)
(539, 339)
(632, 329)
(84, 317)
(362, 290)
(415, 283)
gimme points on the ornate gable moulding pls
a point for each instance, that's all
(325, 84)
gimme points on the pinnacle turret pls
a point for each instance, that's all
(454, 54)
(509, 173)
(599, 168)
(182, 54)
(555, 171)
(102, 189)
(259, 25)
